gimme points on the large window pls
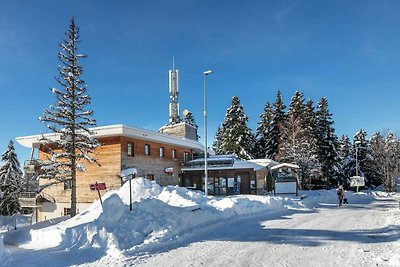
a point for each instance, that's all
(174, 153)
(130, 150)
(162, 152)
(147, 150)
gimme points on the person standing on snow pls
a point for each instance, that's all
(340, 193)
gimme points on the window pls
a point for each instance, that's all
(162, 152)
(67, 184)
(130, 150)
(186, 156)
(174, 153)
(147, 150)
(67, 211)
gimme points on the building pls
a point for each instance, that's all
(156, 156)
(228, 175)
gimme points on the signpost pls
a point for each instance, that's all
(128, 175)
(356, 181)
(98, 187)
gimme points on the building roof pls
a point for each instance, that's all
(227, 162)
(293, 166)
(119, 130)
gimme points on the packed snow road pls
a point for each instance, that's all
(174, 226)
(357, 235)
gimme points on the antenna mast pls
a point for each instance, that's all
(174, 94)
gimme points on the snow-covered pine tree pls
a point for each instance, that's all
(264, 132)
(346, 159)
(278, 119)
(234, 137)
(189, 118)
(391, 162)
(367, 166)
(70, 119)
(217, 144)
(10, 182)
(297, 144)
(378, 154)
(327, 142)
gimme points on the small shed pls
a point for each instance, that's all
(285, 178)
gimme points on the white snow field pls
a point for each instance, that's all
(173, 226)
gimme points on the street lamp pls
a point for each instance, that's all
(357, 142)
(356, 145)
(206, 73)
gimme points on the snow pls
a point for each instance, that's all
(165, 218)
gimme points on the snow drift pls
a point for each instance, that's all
(160, 215)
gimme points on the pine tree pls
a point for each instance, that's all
(278, 119)
(264, 133)
(367, 166)
(10, 182)
(69, 118)
(327, 142)
(234, 137)
(296, 144)
(346, 159)
(379, 154)
(217, 144)
(391, 162)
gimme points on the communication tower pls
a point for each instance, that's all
(173, 95)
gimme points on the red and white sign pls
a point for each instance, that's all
(98, 186)
(169, 170)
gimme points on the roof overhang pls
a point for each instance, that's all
(118, 130)
(283, 165)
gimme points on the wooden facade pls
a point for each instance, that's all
(156, 156)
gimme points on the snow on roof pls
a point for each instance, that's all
(264, 162)
(119, 130)
(293, 166)
(236, 164)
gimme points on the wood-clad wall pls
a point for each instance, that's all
(113, 157)
(153, 164)
(109, 157)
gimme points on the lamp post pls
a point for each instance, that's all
(206, 73)
(356, 144)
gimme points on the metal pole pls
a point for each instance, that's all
(130, 194)
(206, 73)
(205, 138)
(356, 160)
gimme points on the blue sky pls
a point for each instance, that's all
(347, 51)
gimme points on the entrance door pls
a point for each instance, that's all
(244, 183)
(220, 184)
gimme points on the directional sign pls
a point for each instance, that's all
(357, 181)
(98, 186)
(128, 174)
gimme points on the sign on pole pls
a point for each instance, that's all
(127, 175)
(98, 187)
(357, 181)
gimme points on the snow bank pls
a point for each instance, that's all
(3, 256)
(160, 215)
